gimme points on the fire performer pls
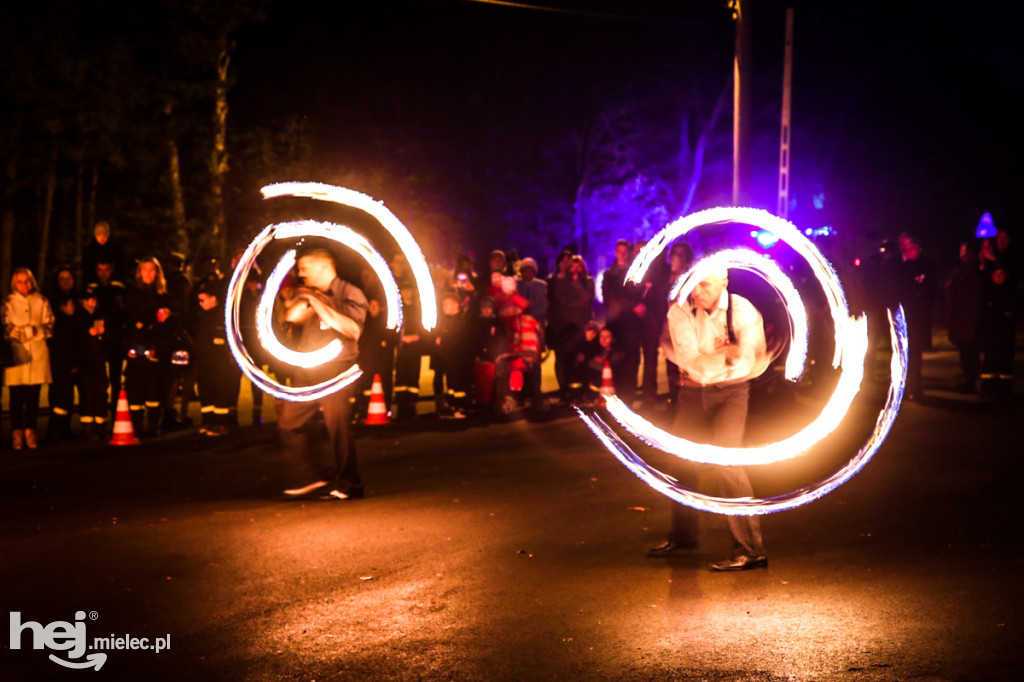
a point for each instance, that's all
(326, 308)
(719, 344)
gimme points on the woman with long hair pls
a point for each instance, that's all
(28, 322)
(146, 304)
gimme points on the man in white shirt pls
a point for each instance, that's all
(719, 345)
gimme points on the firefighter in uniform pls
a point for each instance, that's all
(217, 373)
(145, 304)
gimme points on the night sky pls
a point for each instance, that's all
(906, 113)
(465, 117)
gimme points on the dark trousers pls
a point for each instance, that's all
(650, 342)
(997, 345)
(24, 406)
(115, 369)
(919, 339)
(219, 384)
(92, 390)
(144, 386)
(407, 380)
(716, 415)
(62, 392)
(307, 461)
(970, 360)
(457, 377)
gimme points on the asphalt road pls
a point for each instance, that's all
(515, 550)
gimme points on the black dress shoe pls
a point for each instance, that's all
(670, 549)
(741, 563)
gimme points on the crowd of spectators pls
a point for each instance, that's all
(155, 327)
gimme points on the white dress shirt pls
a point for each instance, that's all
(700, 339)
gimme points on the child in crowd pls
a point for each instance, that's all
(520, 369)
(606, 352)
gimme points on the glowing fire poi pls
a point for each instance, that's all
(851, 342)
(344, 236)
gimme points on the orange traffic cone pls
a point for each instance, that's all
(607, 385)
(377, 412)
(124, 433)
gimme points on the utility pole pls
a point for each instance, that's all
(784, 135)
(741, 74)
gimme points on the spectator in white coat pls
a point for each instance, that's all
(28, 322)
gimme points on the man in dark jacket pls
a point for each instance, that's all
(625, 311)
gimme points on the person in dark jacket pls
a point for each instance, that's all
(997, 334)
(146, 304)
(92, 367)
(963, 298)
(110, 296)
(915, 288)
(64, 362)
(409, 354)
(376, 353)
(453, 343)
(625, 312)
(64, 285)
(103, 249)
(217, 373)
(571, 309)
(654, 299)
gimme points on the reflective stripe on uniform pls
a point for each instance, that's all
(152, 404)
(207, 408)
(60, 410)
(86, 420)
(220, 410)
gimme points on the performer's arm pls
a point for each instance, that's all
(742, 356)
(343, 324)
(702, 368)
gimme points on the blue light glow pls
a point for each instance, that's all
(765, 239)
(986, 228)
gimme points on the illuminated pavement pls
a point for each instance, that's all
(515, 551)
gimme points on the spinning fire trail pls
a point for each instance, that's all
(344, 236)
(851, 341)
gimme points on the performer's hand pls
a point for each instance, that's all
(318, 302)
(732, 353)
(298, 311)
